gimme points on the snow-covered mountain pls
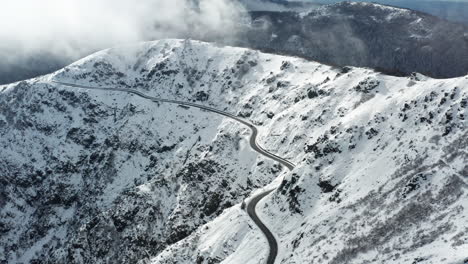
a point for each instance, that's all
(108, 177)
(394, 40)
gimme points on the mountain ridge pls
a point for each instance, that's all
(392, 47)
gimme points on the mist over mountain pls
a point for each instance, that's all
(340, 34)
(42, 36)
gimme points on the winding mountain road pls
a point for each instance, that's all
(253, 144)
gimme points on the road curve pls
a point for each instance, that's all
(269, 236)
(253, 144)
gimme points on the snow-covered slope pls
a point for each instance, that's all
(106, 177)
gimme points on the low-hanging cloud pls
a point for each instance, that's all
(73, 28)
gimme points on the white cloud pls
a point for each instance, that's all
(70, 28)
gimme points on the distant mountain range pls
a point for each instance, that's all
(393, 40)
(456, 11)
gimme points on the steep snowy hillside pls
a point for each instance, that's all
(107, 177)
(394, 40)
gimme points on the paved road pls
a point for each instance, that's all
(269, 236)
(253, 144)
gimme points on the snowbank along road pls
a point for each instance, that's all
(253, 144)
